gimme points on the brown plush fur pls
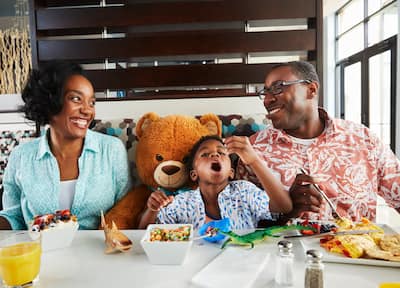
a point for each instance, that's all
(163, 145)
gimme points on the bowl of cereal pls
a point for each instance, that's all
(167, 244)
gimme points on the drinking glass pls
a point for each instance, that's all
(20, 259)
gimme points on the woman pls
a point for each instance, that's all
(69, 167)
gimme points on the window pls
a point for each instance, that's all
(366, 58)
(380, 25)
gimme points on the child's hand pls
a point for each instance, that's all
(242, 147)
(158, 200)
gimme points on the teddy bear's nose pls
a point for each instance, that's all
(170, 169)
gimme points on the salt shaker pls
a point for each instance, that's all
(314, 276)
(284, 268)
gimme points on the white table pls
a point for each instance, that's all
(84, 264)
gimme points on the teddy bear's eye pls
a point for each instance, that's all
(185, 159)
(159, 158)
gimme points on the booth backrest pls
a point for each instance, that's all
(233, 124)
(124, 129)
(8, 140)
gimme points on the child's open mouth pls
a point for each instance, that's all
(216, 166)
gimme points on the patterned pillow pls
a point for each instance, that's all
(8, 140)
(242, 125)
(124, 129)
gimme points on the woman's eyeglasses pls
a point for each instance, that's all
(278, 86)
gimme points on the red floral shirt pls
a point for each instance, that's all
(346, 157)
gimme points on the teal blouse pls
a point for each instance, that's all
(32, 180)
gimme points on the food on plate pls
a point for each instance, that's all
(181, 233)
(354, 246)
(317, 226)
(369, 245)
(391, 243)
(377, 253)
(115, 239)
(58, 220)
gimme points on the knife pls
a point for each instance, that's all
(331, 233)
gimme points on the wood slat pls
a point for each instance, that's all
(62, 3)
(178, 94)
(173, 13)
(182, 75)
(214, 43)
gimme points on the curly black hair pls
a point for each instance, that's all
(196, 146)
(43, 91)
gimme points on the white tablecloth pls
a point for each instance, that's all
(84, 264)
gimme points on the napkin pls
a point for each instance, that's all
(234, 266)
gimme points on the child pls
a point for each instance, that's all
(217, 196)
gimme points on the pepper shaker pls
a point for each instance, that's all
(284, 268)
(314, 276)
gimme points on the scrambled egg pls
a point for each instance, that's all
(370, 245)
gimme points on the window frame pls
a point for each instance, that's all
(363, 57)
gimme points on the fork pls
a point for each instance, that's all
(334, 212)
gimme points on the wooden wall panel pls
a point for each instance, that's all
(201, 43)
(174, 13)
(180, 75)
(173, 37)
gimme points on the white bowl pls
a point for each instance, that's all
(59, 236)
(166, 252)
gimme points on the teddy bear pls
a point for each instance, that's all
(163, 144)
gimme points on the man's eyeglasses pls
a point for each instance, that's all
(277, 87)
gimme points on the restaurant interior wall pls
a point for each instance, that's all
(201, 49)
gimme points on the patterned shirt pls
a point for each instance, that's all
(346, 156)
(241, 201)
(32, 180)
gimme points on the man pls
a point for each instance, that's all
(345, 159)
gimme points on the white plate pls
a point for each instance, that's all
(313, 243)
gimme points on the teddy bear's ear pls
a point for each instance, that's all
(144, 122)
(212, 123)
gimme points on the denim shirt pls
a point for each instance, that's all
(32, 181)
